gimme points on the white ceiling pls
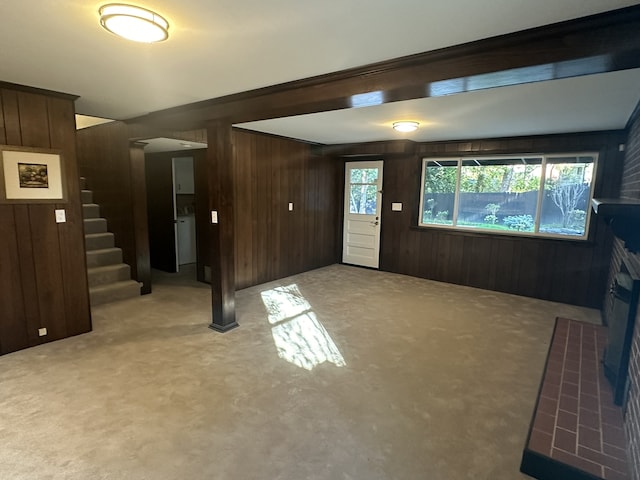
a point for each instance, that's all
(229, 46)
(161, 144)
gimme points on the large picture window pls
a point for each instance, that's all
(545, 195)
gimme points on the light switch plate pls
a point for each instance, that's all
(61, 216)
(396, 207)
(291, 206)
(214, 216)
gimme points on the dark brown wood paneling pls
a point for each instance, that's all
(477, 261)
(140, 221)
(70, 234)
(27, 272)
(13, 326)
(272, 242)
(372, 150)
(48, 271)
(298, 164)
(43, 271)
(11, 117)
(244, 202)
(3, 132)
(201, 189)
(528, 268)
(34, 123)
(502, 256)
(222, 249)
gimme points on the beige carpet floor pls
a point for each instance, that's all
(338, 373)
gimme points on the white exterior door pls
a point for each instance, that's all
(362, 207)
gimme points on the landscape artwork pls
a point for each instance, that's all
(33, 175)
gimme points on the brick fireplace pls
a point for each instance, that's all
(630, 190)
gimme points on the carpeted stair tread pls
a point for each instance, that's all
(114, 292)
(99, 241)
(95, 225)
(90, 210)
(86, 196)
(104, 256)
(108, 274)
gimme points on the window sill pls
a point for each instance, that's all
(499, 235)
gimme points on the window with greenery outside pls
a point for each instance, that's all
(547, 195)
(363, 190)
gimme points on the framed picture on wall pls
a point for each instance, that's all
(31, 175)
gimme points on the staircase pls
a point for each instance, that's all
(109, 278)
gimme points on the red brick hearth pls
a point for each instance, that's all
(577, 431)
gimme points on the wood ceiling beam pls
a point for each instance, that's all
(600, 43)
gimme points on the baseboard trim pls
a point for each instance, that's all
(223, 328)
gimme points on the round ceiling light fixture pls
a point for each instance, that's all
(134, 23)
(405, 126)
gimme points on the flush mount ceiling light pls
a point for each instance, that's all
(134, 23)
(405, 126)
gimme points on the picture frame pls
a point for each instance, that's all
(31, 175)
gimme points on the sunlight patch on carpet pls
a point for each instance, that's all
(298, 335)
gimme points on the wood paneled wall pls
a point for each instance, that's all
(43, 276)
(271, 241)
(559, 270)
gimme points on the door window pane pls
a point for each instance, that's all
(364, 175)
(566, 199)
(363, 199)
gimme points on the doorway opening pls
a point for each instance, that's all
(173, 190)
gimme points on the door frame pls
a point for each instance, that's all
(370, 163)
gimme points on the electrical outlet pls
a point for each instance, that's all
(396, 207)
(42, 332)
(214, 216)
(291, 206)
